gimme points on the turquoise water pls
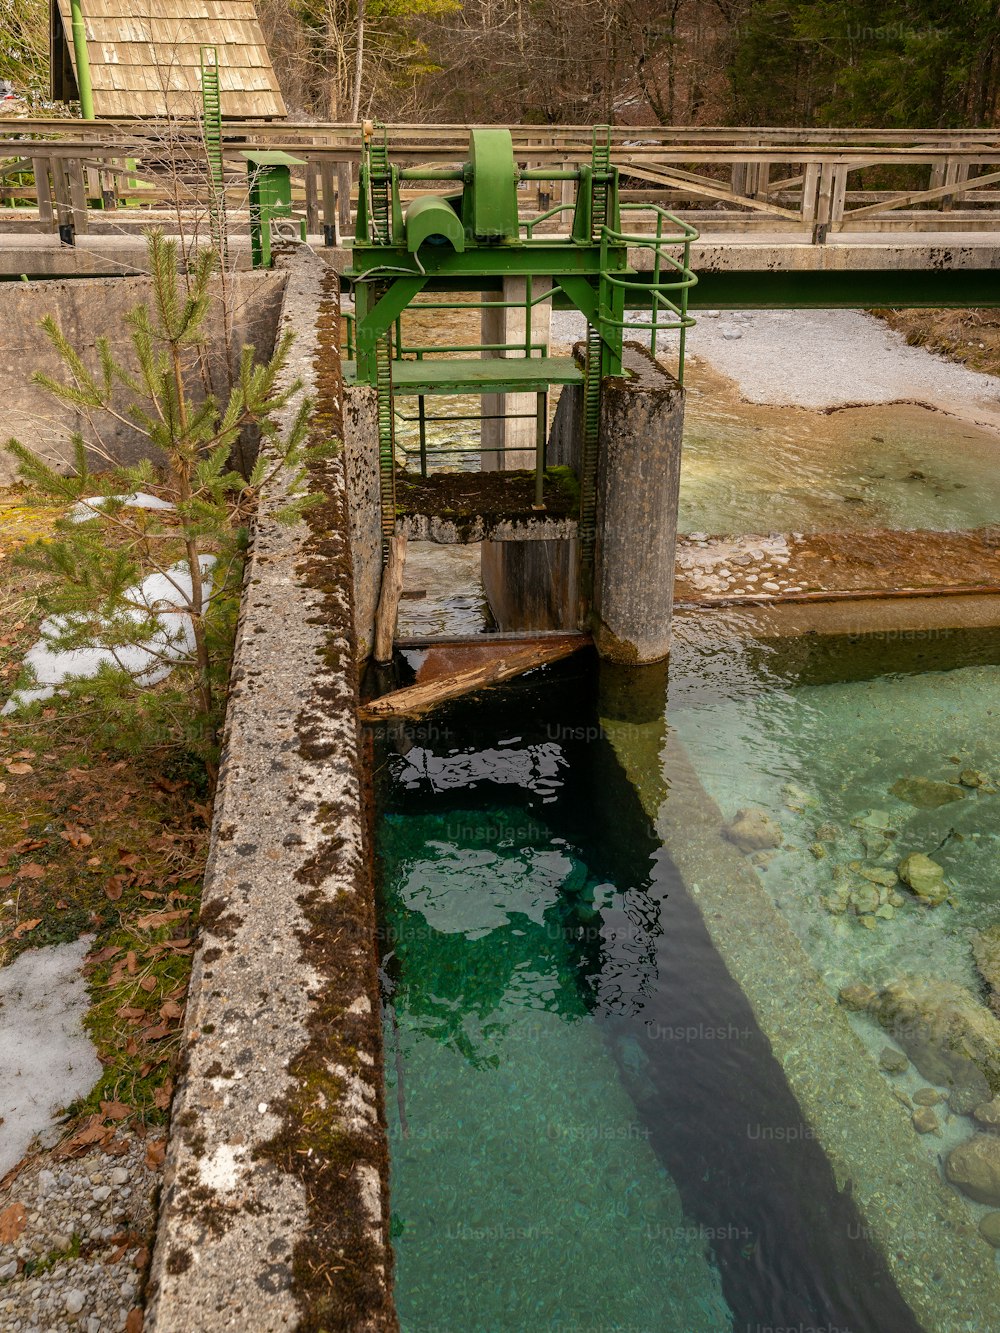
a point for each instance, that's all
(587, 1130)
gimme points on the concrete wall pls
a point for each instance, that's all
(365, 505)
(638, 479)
(274, 1212)
(89, 308)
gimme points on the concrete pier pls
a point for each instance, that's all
(638, 481)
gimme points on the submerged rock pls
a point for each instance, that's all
(925, 877)
(879, 875)
(753, 831)
(986, 952)
(827, 833)
(865, 898)
(987, 1114)
(971, 777)
(892, 1061)
(974, 1166)
(951, 1038)
(924, 793)
(857, 996)
(927, 1097)
(963, 1100)
(924, 1120)
(989, 1229)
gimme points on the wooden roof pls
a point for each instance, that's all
(145, 57)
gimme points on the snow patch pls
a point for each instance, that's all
(84, 510)
(164, 595)
(46, 1059)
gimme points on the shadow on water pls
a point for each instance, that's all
(479, 962)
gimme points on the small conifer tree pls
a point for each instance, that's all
(159, 587)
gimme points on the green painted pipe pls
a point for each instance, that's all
(82, 62)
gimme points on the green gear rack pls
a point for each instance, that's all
(467, 239)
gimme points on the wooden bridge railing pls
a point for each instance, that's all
(820, 182)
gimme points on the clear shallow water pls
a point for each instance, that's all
(750, 469)
(587, 1129)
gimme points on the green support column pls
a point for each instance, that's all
(82, 62)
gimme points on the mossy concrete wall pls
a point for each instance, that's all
(274, 1211)
(365, 505)
(90, 308)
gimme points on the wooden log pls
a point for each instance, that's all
(388, 598)
(416, 700)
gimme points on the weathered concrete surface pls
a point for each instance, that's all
(275, 1206)
(365, 507)
(638, 481)
(85, 311)
(481, 527)
(930, 1242)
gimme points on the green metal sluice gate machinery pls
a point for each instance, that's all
(470, 238)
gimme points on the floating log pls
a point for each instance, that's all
(416, 700)
(388, 599)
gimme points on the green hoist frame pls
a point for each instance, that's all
(469, 238)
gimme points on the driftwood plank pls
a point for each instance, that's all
(416, 700)
(388, 599)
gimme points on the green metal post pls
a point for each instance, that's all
(82, 61)
(211, 105)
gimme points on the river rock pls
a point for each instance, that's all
(924, 1120)
(927, 1097)
(865, 898)
(879, 875)
(892, 1061)
(987, 1114)
(986, 952)
(753, 831)
(962, 1099)
(974, 1166)
(989, 1229)
(925, 877)
(953, 1040)
(924, 793)
(971, 777)
(857, 996)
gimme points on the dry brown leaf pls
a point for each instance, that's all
(13, 1220)
(31, 871)
(115, 1110)
(171, 1010)
(133, 1323)
(156, 1033)
(155, 1150)
(25, 927)
(148, 984)
(163, 1094)
(16, 770)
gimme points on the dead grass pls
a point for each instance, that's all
(971, 337)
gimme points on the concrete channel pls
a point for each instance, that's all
(275, 1205)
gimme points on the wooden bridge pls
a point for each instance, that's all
(766, 201)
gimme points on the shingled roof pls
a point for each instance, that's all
(145, 57)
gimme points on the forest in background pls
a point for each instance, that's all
(901, 63)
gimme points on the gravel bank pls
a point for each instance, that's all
(80, 1253)
(823, 359)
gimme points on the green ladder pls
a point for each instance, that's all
(211, 103)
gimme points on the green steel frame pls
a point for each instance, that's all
(470, 239)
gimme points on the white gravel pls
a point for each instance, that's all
(825, 358)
